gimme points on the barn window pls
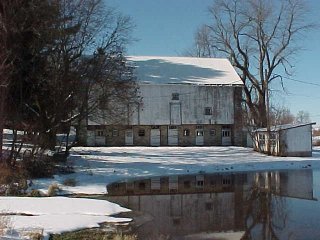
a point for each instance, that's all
(225, 133)
(115, 133)
(186, 132)
(200, 183)
(141, 133)
(208, 111)
(175, 96)
(212, 132)
(199, 133)
(100, 133)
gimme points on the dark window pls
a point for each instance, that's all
(200, 183)
(226, 133)
(141, 133)
(199, 127)
(208, 111)
(199, 133)
(186, 132)
(100, 133)
(226, 181)
(175, 96)
(115, 133)
(212, 132)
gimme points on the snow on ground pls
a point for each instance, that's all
(56, 214)
(97, 166)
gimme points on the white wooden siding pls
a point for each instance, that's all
(298, 139)
(158, 108)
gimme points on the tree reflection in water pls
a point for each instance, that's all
(266, 212)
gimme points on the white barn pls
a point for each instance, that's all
(285, 140)
(184, 101)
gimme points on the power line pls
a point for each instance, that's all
(304, 82)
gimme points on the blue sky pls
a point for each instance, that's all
(166, 28)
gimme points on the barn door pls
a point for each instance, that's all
(199, 136)
(226, 136)
(173, 136)
(155, 137)
(129, 137)
(175, 114)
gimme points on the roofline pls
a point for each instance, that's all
(153, 56)
(277, 130)
(192, 84)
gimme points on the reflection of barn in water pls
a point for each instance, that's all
(188, 204)
(293, 183)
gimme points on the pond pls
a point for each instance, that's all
(279, 204)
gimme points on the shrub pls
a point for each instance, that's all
(38, 166)
(36, 235)
(316, 143)
(12, 180)
(5, 224)
(53, 190)
(35, 193)
(120, 236)
(71, 182)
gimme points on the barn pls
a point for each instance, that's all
(185, 101)
(289, 140)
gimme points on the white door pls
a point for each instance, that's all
(91, 138)
(199, 137)
(129, 137)
(226, 136)
(173, 137)
(175, 114)
(155, 137)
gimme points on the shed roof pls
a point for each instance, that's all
(284, 127)
(184, 70)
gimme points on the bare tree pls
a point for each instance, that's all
(260, 39)
(280, 116)
(202, 44)
(303, 117)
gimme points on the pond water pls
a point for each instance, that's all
(279, 204)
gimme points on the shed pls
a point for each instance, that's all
(289, 140)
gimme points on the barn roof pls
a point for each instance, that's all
(284, 127)
(184, 70)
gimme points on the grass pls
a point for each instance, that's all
(92, 234)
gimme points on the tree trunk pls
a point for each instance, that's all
(2, 120)
(48, 140)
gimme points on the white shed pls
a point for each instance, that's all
(289, 140)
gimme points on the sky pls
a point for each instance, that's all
(167, 28)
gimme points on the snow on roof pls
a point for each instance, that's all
(284, 127)
(190, 70)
